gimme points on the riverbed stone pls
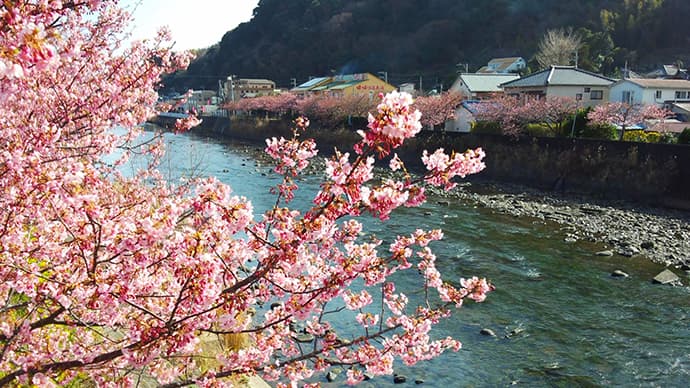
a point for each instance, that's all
(665, 277)
(619, 274)
(606, 252)
(514, 332)
(304, 337)
(333, 374)
(487, 332)
(399, 379)
(647, 245)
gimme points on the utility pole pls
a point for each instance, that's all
(221, 91)
(421, 90)
(384, 74)
(232, 88)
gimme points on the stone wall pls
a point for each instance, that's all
(654, 173)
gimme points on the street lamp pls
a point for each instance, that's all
(232, 87)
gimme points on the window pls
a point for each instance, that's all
(596, 95)
(578, 96)
(627, 97)
(657, 94)
(587, 90)
(681, 95)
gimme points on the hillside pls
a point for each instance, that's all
(410, 39)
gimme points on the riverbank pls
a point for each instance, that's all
(623, 228)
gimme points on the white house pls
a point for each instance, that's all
(562, 81)
(660, 92)
(464, 117)
(408, 88)
(480, 86)
(503, 65)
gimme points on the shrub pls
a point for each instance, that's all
(580, 124)
(490, 127)
(598, 131)
(684, 137)
(539, 130)
(642, 136)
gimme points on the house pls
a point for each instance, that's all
(562, 81)
(682, 110)
(464, 116)
(660, 92)
(477, 86)
(303, 89)
(408, 88)
(361, 84)
(248, 87)
(669, 72)
(503, 65)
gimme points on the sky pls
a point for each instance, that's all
(194, 24)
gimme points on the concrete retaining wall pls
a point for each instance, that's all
(654, 173)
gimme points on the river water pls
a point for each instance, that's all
(560, 319)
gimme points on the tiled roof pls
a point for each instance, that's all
(560, 75)
(660, 83)
(498, 65)
(486, 82)
(311, 83)
(255, 80)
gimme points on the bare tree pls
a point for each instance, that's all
(558, 47)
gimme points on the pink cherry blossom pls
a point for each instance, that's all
(104, 273)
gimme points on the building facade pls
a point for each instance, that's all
(659, 92)
(361, 84)
(481, 86)
(562, 81)
(236, 88)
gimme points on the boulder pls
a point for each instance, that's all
(399, 379)
(647, 245)
(665, 277)
(619, 274)
(333, 374)
(488, 332)
(605, 253)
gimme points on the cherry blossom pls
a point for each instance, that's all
(627, 115)
(106, 277)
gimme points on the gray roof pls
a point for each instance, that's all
(682, 106)
(312, 82)
(485, 82)
(659, 83)
(560, 75)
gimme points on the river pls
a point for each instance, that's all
(560, 319)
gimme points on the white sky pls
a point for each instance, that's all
(194, 24)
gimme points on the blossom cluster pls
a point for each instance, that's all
(395, 121)
(107, 277)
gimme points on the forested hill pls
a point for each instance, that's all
(428, 38)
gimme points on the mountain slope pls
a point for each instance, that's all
(410, 39)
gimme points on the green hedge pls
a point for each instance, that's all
(684, 137)
(490, 127)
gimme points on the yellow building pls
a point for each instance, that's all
(345, 85)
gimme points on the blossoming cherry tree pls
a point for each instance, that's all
(108, 279)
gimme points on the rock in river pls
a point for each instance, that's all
(666, 277)
(619, 274)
